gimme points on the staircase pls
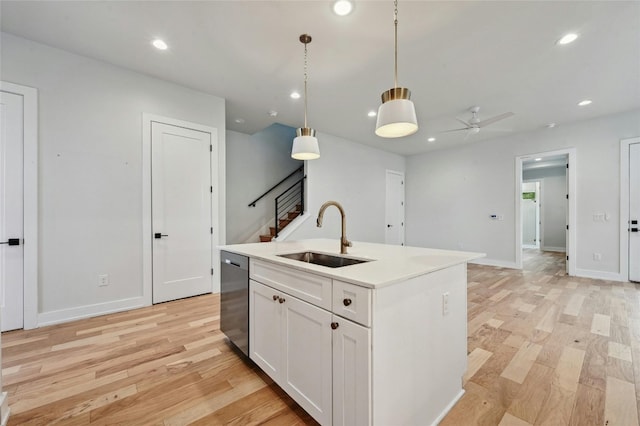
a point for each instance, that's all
(282, 223)
(288, 205)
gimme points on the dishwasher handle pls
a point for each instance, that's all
(229, 262)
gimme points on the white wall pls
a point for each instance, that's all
(90, 202)
(451, 193)
(354, 175)
(256, 163)
(553, 205)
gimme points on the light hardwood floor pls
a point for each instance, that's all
(543, 348)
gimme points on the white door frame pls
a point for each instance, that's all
(30, 201)
(625, 144)
(571, 177)
(217, 200)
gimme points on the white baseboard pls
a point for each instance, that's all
(558, 249)
(88, 311)
(529, 246)
(494, 262)
(599, 275)
(448, 408)
(4, 409)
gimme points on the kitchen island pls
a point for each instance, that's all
(381, 342)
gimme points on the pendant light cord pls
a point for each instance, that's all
(395, 24)
(305, 85)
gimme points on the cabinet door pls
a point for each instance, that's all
(351, 373)
(307, 357)
(265, 328)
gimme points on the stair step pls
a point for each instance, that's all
(293, 215)
(283, 223)
(266, 238)
(272, 230)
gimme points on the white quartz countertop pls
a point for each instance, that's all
(389, 264)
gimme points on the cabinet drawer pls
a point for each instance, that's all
(311, 288)
(352, 302)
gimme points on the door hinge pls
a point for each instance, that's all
(211, 189)
(567, 227)
(212, 230)
(210, 148)
(567, 196)
(211, 271)
(567, 257)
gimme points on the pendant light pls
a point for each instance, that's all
(396, 115)
(305, 145)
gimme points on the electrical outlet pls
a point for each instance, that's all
(103, 280)
(445, 303)
(597, 257)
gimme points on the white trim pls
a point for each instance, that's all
(625, 145)
(217, 203)
(495, 262)
(571, 179)
(599, 275)
(89, 311)
(5, 411)
(448, 408)
(30, 206)
(529, 246)
(290, 228)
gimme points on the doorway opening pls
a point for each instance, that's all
(545, 207)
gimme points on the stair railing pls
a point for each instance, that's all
(253, 203)
(291, 200)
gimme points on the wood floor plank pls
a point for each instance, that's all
(522, 362)
(170, 363)
(620, 403)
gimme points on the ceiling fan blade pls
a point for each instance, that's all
(494, 119)
(454, 130)
(463, 122)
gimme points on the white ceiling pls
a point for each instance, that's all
(499, 55)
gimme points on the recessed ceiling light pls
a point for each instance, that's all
(537, 159)
(159, 44)
(551, 125)
(567, 38)
(372, 113)
(342, 7)
(295, 95)
(585, 102)
(273, 113)
(431, 140)
(239, 120)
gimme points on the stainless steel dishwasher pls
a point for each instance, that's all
(234, 299)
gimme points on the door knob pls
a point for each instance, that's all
(633, 229)
(334, 325)
(12, 242)
(158, 235)
(389, 226)
(346, 302)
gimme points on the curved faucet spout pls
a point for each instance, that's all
(344, 243)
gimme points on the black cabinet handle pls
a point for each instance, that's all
(633, 229)
(12, 242)
(158, 235)
(334, 325)
(346, 302)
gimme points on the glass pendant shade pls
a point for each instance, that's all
(305, 145)
(396, 115)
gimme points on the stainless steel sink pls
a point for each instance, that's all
(323, 259)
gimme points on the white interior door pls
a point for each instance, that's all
(394, 208)
(634, 212)
(11, 211)
(181, 212)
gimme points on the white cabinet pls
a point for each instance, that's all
(291, 341)
(352, 355)
(351, 373)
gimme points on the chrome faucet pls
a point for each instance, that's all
(344, 243)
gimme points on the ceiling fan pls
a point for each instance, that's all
(474, 124)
